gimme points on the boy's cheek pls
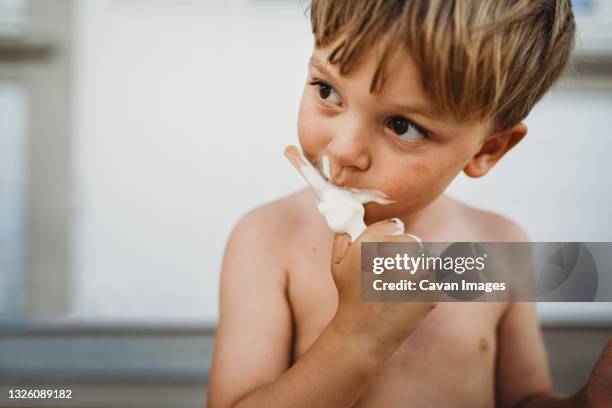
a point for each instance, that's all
(310, 134)
(413, 188)
(308, 142)
(410, 195)
(410, 181)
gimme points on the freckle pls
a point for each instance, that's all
(314, 249)
(483, 344)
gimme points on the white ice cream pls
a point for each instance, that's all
(342, 207)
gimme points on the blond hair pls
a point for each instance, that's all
(478, 59)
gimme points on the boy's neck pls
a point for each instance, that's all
(430, 219)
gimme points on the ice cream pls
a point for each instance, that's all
(342, 207)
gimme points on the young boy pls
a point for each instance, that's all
(401, 97)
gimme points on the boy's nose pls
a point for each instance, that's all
(347, 153)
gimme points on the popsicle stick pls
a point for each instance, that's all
(294, 156)
(306, 169)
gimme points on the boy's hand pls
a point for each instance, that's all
(386, 323)
(598, 390)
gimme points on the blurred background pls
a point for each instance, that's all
(135, 133)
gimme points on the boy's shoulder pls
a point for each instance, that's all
(483, 225)
(276, 225)
(283, 215)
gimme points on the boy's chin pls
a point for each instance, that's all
(378, 212)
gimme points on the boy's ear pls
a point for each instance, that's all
(493, 149)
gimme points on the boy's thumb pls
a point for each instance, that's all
(342, 243)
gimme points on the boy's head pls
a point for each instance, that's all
(402, 95)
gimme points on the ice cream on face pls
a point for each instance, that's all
(342, 207)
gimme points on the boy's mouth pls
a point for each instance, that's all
(324, 169)
(342, 207)
(320, 176)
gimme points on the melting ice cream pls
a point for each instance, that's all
(342, 207)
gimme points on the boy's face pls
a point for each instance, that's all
(392, 141)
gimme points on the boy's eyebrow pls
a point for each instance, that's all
(422, 109)
(318, 64)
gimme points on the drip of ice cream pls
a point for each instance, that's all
(342, 207)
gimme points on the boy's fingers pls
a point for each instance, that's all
(599, 387)
(342, 243)
(605, 360)
(379, 229)
(402, 238)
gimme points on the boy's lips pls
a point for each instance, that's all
(364, 195)
(324, 169)
(342, 207)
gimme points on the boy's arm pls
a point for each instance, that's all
(252, 357)
(522, 368)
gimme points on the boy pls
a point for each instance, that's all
(401, 97)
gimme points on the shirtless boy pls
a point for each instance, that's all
(401, 96)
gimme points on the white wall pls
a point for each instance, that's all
(183, 111)
(14, 109)
(556, 183)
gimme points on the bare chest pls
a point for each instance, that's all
(450, 356)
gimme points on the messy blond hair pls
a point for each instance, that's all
(478, 59)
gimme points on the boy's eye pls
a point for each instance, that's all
(327, 92)
(406, 129)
